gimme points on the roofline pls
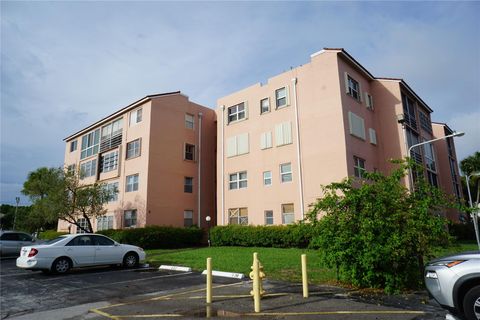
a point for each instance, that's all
(409, 89)
(445, 125)
(348, 57)
(121, 111)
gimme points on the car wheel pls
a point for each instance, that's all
(471, 304)
(61, 265)
(130, 260)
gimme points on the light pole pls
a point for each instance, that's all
(208, 228)
(455, 134)
(474, 211)
(17, 201)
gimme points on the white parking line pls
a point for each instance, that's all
(69, 277)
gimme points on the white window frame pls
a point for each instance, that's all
(109, 161)
(235, 214)
(280, 97)
(132, 182)
(286, 176)
(134, 149)
(185, 152)
(88, 169)
(73, 145)
(267, 178)
(353, 87)
(234, 114)
(288, 217)
(369, 101)
(189, 121)
(104, 223)
(113, 186)
(373, 136)
(238, 180)
(90, 144)
(136, 116)
(356, 125)
(267, 105)
(269, 219)
(187, 186)
(358, 167)
(82, 222)
(187, 218)
(132, 219)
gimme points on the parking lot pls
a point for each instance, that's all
(116, 293)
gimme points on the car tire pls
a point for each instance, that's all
(61, 265)
(130, 260)
(471, 304)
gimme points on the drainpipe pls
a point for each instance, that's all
(222, 167)
(199, 168)
(299, 161)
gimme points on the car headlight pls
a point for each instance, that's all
(447, 263)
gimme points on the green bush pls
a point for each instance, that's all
(157, 237)
(462, 231)
(50, 234)
(289, 236)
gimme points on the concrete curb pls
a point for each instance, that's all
(175, 268)
(224, 274)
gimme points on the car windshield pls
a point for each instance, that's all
(54, 240)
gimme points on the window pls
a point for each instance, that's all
(429, 154)
(113, 190)
(111, 135)
(71, 168)
(130, 218)
(104, 223)
(189, 152)
(373, 136)
(432, 179)
(136, 116)
(237, 145)
(73, 145)
(236, 112)
(88, 169)
(109, 161)
(189, 121)
(268, 217)
(238, 180)
(286, 172)
(357, 125)
(412, 139)
(288, 215)
(188, 218)
(188, 185)
(264, 105)
(90, 143)
(283, 134)
(266, 140)
(82, 222)
(352, 87)
(358, 167)
(81, 241)
(238, 216)
(133, 149)
(267, 178)
(369, 101)
(132, 183)
(425, 122)
(409, 111)
(102, 241)
(281, 97)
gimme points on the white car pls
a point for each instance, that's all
(78, 250)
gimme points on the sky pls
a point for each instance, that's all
(65, 65)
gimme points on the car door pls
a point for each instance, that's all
(10, 244)
(107, 251)
(82, 250)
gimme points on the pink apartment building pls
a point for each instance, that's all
(159, 153)
(321, 122)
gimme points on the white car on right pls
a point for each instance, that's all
(454, 282)
(78, 250)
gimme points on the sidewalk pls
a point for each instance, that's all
(281, 301)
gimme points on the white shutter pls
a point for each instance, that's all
(360, 92)
(279, 135)
(287, 132)
(287, 96)
(373, 136)
(357, 125)
(346, 82)
(367, 101)
(246, 109)
(242, 143)
(231, 146)
(268, 139)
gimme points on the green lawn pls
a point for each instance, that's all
(279, 264)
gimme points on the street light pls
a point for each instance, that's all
(474, 212)
(455, 134)
(208, 227)
(17, 201)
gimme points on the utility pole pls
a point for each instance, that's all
(17, 201)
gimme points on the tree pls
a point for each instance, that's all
(469, 166)
(377, 233)
(59, 194)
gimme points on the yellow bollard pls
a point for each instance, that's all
(304, 276)
(256, 283)
(209, 280)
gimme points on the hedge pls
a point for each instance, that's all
(157, 237)
(50, 234)
(462, 231)
(289, 236)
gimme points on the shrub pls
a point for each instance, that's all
(157, 237)
(50, 234)
(462, 231)
(289, 236)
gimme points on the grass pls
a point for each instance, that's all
(279, 264)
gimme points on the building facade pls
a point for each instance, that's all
(159, 154)
(318, 123)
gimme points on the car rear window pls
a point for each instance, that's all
(54, 240)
